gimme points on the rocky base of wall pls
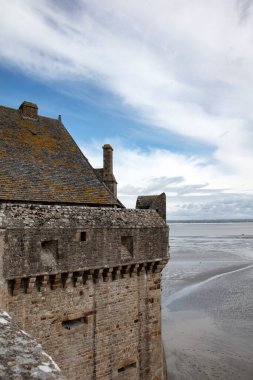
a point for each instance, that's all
(21, 357)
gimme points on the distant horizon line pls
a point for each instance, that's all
(244, 220)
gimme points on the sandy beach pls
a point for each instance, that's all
(208, 310)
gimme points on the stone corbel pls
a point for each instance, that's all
(44, 283)
(159, 265)
(140, 269)
(116, 273)
(107, 273)
(97, 275)
(67, 280)
(56, 281)
(133, 270)
(78, 279)
(125, 270)
(16, 286)
(30, 284)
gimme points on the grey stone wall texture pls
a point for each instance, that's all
(85, 282)
(21, 357)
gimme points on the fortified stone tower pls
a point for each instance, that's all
(78, 271)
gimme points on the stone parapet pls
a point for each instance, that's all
(46, 240)
(26, 215)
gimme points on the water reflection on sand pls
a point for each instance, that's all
(208, 302)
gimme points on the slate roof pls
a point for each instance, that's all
(99, 173)
(40, 162)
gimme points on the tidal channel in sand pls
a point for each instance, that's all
(207, 301)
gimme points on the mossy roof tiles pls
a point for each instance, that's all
(40, 162)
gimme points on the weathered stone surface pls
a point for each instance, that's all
(85, 282)
(43, 239)
(100, 326)
(21, 357)
(153, 202)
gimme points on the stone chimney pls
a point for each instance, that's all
(108, 177)
(29, 110)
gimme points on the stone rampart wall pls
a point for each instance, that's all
(86, 284)
(107, 329)
(57, 239)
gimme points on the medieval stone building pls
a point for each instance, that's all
(78, 271)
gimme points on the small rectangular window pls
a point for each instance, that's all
(72, 323)
(80, 236)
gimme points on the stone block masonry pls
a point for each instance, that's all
(85, 282)
(21, 356)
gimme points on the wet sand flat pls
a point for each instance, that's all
(209, 354)
(208, 311)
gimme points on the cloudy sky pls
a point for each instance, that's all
(169, 83)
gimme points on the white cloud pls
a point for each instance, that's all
(185, 66)
(183, 179)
